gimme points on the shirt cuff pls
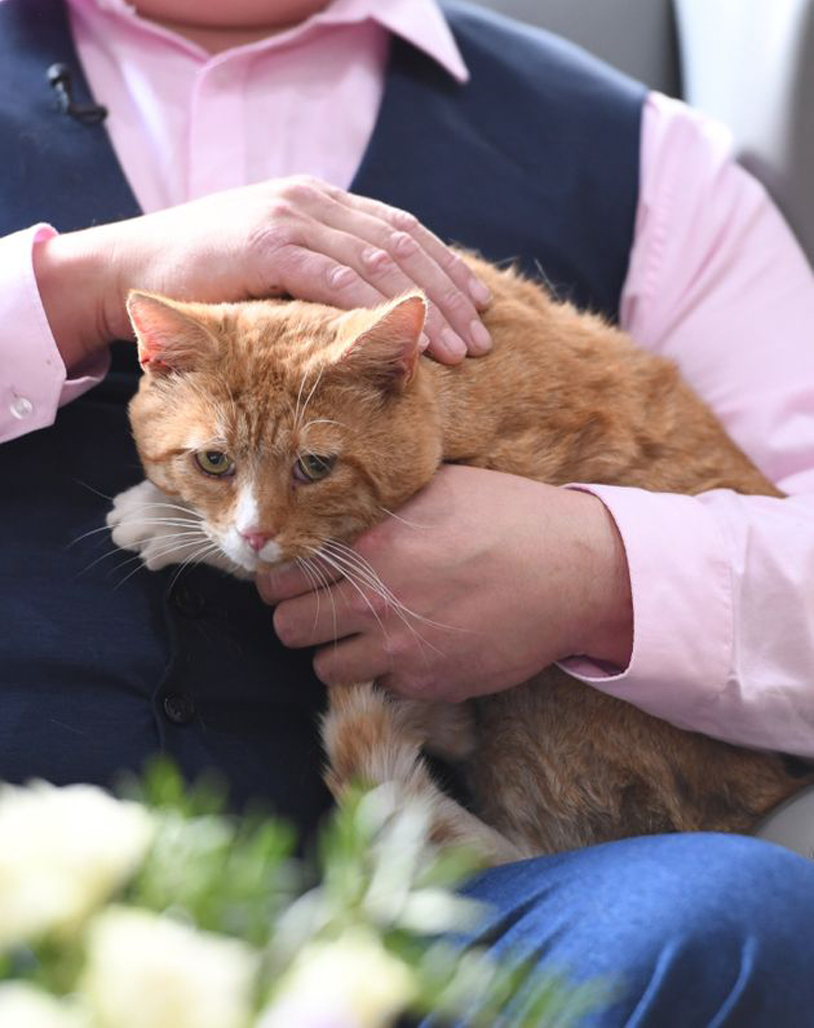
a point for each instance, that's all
(33, 379)
(682, 608)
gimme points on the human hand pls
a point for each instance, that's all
(295, 236)
(505, 574)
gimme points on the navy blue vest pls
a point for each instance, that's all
(103, 663)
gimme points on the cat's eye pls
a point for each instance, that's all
(214, 462)
(311, 467)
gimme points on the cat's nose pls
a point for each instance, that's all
(257, 540)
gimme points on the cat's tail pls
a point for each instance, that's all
(372, 738)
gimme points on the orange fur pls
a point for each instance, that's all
(562, 397)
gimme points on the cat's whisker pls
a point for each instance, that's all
(96, 492)
(174, 545)
(299, 398)
(85, 535)
(322, 584)
(198, 555)
(352, 556)
(404, 521)
(321, 421)
(139, 566)
(402, 612)
(137, 519)
(311, 393)
(145, 521)
(201, 556)
(171, 506)
(358, 577)
(104, 556)
(361, 576)
(303, 564)
(347, 574)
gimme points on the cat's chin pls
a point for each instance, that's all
(238, 551)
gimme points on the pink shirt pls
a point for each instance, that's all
(722, 584)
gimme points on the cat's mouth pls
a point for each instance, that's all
(250, 554)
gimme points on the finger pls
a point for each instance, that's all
(321, 616)
(459, 329)
(455, 267)
(377, 267)
(356, 659)
(292, 579)
(307, 275)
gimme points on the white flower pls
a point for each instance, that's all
(62, 853)
(148, 971)
(23, 1006)
(351, 982)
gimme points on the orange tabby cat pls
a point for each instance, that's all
(298, 424)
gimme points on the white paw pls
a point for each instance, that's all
(156, 526)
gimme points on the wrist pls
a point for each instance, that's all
(73, 276)
(605, 631)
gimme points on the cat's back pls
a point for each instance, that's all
(565, 396)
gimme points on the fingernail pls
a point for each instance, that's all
(481, 340)
(340, 277)
(374, 257)
(423, 341)
(479, 291)
(404, 244)
(453, 343)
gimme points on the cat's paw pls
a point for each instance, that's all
(367, 738)
(152, 524)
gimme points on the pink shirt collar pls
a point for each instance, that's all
(419, 22)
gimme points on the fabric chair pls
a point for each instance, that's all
(749, 64)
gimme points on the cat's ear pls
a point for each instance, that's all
(387, 351)
(169, 338)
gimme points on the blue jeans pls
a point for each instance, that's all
(693, 930)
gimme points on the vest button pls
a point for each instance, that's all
(188, 602)
(179, 708)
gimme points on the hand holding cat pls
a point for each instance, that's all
(505, 575)
(296, 236)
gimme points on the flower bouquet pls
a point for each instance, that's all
(160, 911)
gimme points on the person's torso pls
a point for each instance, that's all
(102, 662)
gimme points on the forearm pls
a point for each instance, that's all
(76, 280)
(33, 378)
(723, 614)
(600, 621)
(720, 583)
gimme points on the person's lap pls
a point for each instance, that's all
(690, 930)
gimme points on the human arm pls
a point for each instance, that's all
(34, 378)
(506, 574)
(724, 622)
(721, 594)
(288, 236)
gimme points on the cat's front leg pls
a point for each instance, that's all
(162, 530)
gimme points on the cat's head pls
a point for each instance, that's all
(283, 424)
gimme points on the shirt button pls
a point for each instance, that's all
(21, 408)
(179, 708)
(188, 602)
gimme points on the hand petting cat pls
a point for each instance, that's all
(297, 236)
(503, 577)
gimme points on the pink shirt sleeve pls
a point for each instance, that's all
(33, 380)
(723, 585)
